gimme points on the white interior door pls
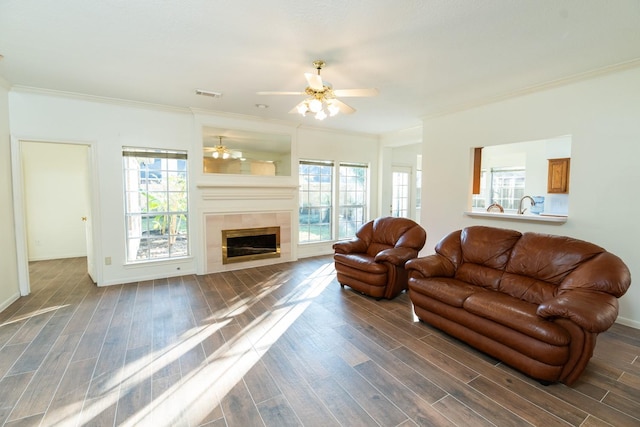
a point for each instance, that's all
(88, 221)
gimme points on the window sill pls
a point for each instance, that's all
(163, 261)
(561, 219)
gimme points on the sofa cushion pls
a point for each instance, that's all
(516, 314)
(479, 275)
(375, 248)
(527, 288)
(361, 262)
(446, 290)
(488, 246)
(549, 258)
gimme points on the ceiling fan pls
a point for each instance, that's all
(322, 98)
(222, 152)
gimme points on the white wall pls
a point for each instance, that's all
(9, 290)
(317, 144)
(56, 198)
(106, 126)
(601, 115)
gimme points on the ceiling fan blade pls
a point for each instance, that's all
(314, 81)
(294, 110)
(278, 93)
(344, 108)
(355, 92)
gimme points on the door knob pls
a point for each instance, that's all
(84, 218)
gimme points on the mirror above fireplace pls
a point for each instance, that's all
(240, 152)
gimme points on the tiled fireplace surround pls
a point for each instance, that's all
(239, 207)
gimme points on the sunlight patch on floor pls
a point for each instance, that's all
(33, 314)
(200, 391)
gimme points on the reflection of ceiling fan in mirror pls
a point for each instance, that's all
(222, 152)
(322, 101)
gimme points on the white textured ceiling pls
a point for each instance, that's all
(424, 56)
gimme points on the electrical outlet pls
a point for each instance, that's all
(107, 260)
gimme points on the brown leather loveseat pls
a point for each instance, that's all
(535, 301)
(373, 262)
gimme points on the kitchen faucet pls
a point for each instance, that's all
(520, 210)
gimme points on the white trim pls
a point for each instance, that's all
(628, 322)
(22, 254)
(100, 99)
(19, 211)
(560, 219)
(13, 298)
(564, 81)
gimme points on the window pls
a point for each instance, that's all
(318, 206)
(507, 187)
(480, 200)
(400, 192)
(316, 201)
(156, 208)
(353, 199)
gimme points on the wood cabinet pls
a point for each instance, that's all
(558, 179)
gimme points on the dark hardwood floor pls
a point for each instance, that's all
(277, 346)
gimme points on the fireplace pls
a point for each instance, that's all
(250, 244)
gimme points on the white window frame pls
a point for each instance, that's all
(349, 222)
(156, 200)
(401, 203)
(314, 212)
(332, 216)
(492, 190)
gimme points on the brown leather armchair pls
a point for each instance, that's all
(373, 262)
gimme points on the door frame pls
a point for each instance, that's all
(19, 209)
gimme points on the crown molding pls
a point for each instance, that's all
(101, 99)
(565, 81)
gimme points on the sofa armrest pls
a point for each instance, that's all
(350, 246)
(431, 266)
(396, 256)
(593, 311)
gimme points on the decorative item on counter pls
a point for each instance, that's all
(538, 208)
(495, 208)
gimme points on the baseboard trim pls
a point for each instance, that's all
(13, 298)
(628, 322)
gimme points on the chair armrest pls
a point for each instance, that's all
(593, 311)
(396, 256)
(434, 265)
(350, 246)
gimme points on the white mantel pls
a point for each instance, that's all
(243, 205)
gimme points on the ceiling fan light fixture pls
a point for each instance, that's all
(315, 105)
(322, 97)
(333, 109)
(222, 152)
(302, 108)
